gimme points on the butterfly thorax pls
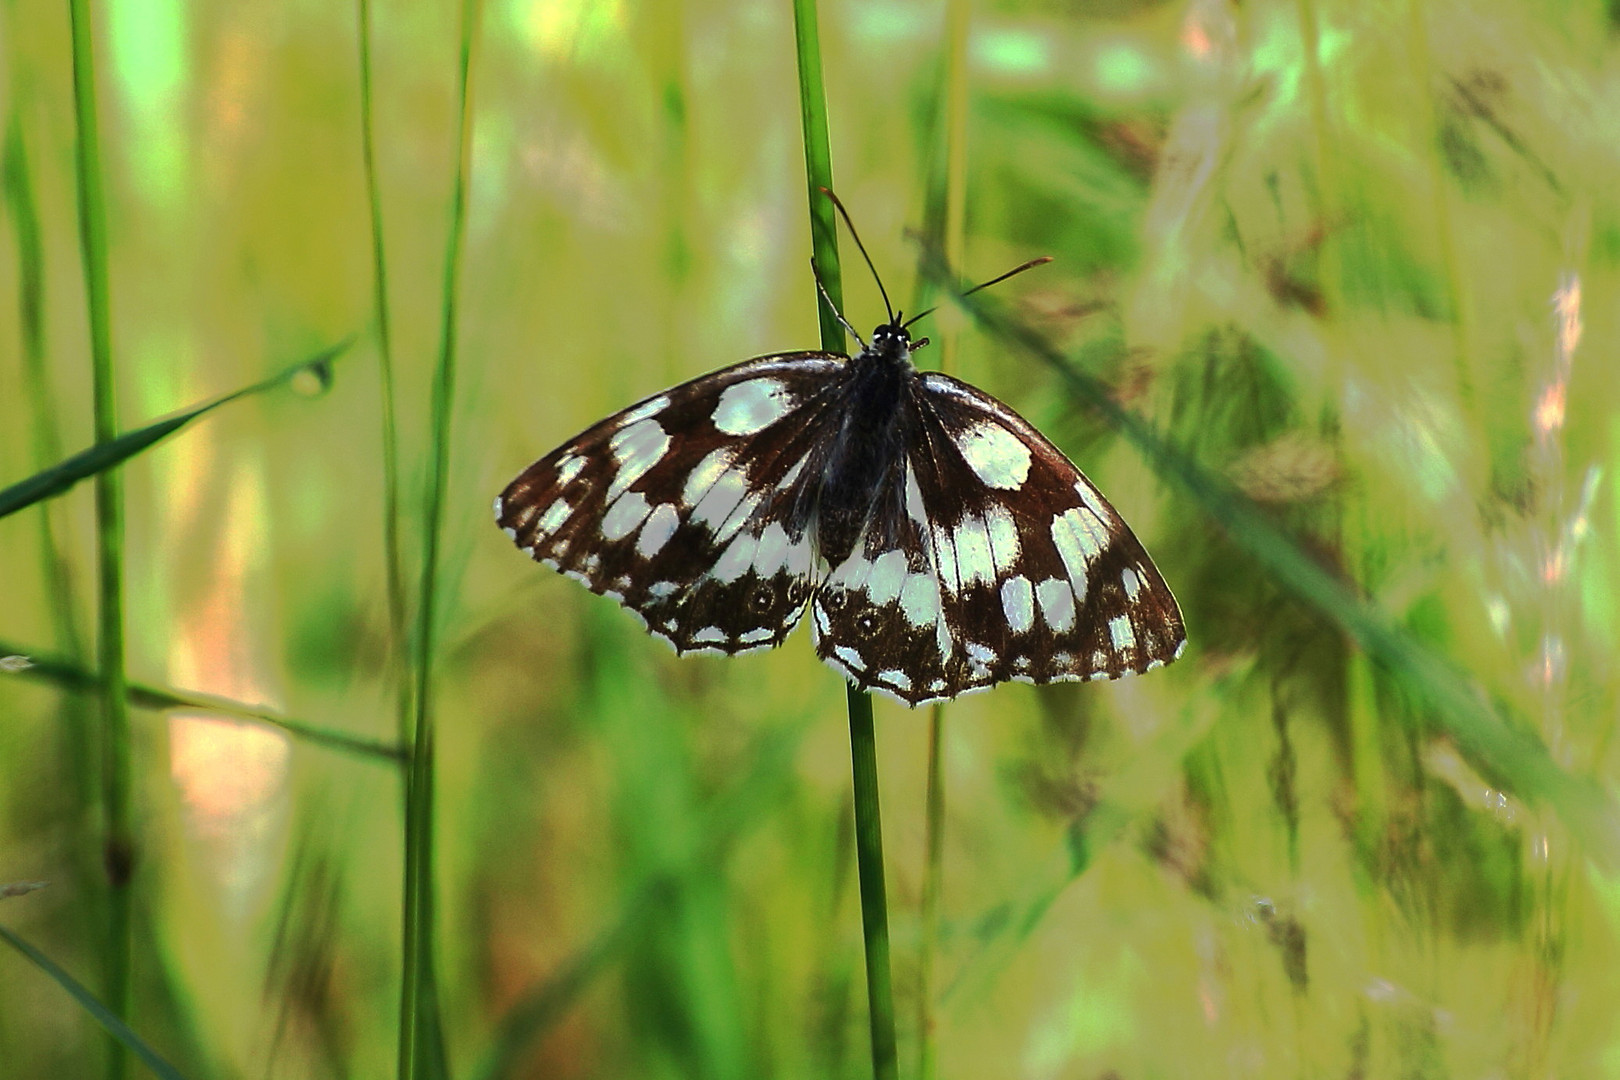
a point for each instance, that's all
(870, 443)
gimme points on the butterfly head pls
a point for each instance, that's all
(893, 341)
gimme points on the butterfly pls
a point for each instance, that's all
(940, 543)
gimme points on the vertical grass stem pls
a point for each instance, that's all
(385, 369)
(421, 1048)
(118, 843)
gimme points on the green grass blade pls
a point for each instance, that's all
(421, 1035)
(818, 171)
(118, 842)
(393, 563)
(869, 867)
(102, 1015)
(67, 674)
(97, 460)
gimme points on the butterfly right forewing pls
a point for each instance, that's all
(689, 508)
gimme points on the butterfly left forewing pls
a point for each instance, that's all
(682, 507)
(1039, 579)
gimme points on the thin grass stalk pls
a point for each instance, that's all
(952, 201)
(118, 842)
(394, 569)
(19, 196)
(869, 868)
(863, 749)
(421, 1046)
(115, 1027)
(818, 172)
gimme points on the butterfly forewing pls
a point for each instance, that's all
(690, 508)
(990, 557)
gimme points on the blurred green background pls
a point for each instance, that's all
(1355, 261)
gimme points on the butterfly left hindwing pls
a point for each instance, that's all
(989, 557)
(688, 508)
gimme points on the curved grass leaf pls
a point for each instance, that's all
(103, 456)
(102, 1015)
(67, 674)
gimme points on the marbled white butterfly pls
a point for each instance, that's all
(940, 542)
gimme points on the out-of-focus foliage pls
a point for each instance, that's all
(1356, 260)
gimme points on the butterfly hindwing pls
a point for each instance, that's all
(990, 557)
(688, 508)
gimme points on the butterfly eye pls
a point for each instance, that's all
(834, 602)
(761, 599)
(866, 624)
(797, 593)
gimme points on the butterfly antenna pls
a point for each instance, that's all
(832, 307)
(857, 238)
(1019, 269)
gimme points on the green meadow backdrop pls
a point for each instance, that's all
(306, 772)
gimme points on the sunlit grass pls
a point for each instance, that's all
(1311, 326)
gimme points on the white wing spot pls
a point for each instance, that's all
(1018, 603)
(797, 559)
(709, 634)
(898, 679)
(888, 577)
(945, 558)
(567, 469)
(555, 515)
(705, 473)
(662, 590)
(754, 637)
(728, 490)
(972, 543)
(736, 559)
(773, 550)
(509, 531)
(1099, 661)
(854, 573)
(623, 517)
(499, 507)
(998, 456)
(919, 599)
(1132, 583)
(791, 475)
(850, 657)
(638, 448)
(998, 522)
(1073, 542)
(1093, 500)
(1119, 629)
(751, 406)
(659, 528)
(1057, 604)
(738, 517)
(644, 410)
(914, 500)
(980, 654)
